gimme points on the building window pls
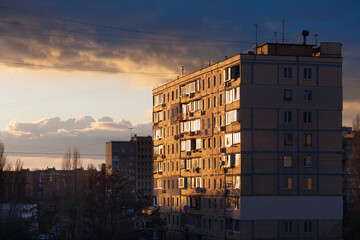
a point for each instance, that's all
(215, 204)
(209, 143)
(209, 166)
(307, 95)
(288, 73)
(287, 117)
(307, 227)
(172, 95)
(208, 123)
(220, 79)
(209, 83)
(214, 101)
(288, 183)
(288, 95)
(288, 139)
(288, 161)
(307, 139)
(177, 94)
(209, 103)
(214, 164)
(214, 81)
(307, 117)
(307, 161)
(209, 202)
(204, 166)
(307, 73)
(221, 100)
(203, 84)
(288, 227)
(209, 224)
(307, 183)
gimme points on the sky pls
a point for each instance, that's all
(80, 73)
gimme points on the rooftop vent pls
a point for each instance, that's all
(304, 33)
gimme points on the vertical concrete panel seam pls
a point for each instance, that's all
(298, 150)
(252, 151)
(278, 152)
(317, 153)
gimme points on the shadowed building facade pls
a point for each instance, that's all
(133, 159)
(250, 147)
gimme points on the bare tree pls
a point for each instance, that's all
(352, 189)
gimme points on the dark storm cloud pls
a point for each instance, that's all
(161, 36)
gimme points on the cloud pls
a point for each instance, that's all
(51, 137)
(350, 110)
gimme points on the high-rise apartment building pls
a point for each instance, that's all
(133, 159)
(250, 147)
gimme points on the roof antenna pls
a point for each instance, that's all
(283, 36)
(275, 37)
(256, 36)
(316, 36)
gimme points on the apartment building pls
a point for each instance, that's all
(133, 159)
(250, 147)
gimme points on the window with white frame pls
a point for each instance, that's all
(307, 161)
(228, 140)
(288, 117)
(158, 100)
(307, 117)
(307, 73)
(188, 164)
(232, 95)
(287, 161)
(287, 73)
(182, 182)
(190, 87)
(307, 95)
(157, 133)
(307, 183)
(158, 150)
(288, 227)
(186, 145)
(190, 126)
(158, 116)
(231, 116)
(198, 182)
(198, 143)
(236, 138)
(288, 182)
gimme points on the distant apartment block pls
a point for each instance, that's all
(250, 147)
(133, 159)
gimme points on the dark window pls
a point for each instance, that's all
(288, 95)
(307, 73)
(288, 227)
(307, 117)
(307, 227)
(288, 117)
(307, 95)
(288, 139)
(288, 73)
(307, 139)
(214, 81)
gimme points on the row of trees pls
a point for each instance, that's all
(72, 203)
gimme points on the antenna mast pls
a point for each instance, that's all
(283, 36)
(275, 37)
(256, 35)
